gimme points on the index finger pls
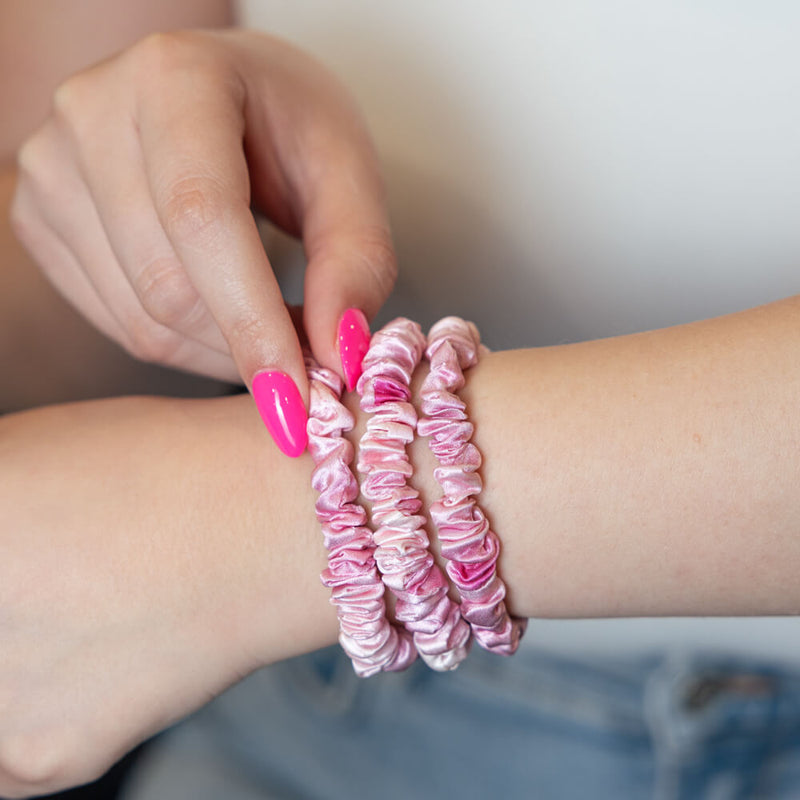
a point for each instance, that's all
(191, 130)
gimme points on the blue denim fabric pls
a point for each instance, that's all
(534, 726)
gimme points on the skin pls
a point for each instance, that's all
(85, 363)
(134, 195)
(51, 354)
(43, 45)
(642, 475)
(649, 474)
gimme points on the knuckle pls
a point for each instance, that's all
(35, 158)
(164, 56)
(64, 96)
(193, 207)
(163, 51)
(70, 99)
(80, 107)
(150, 342)
(166, 293)
(28, 156)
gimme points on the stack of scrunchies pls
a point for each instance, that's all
(395, 551)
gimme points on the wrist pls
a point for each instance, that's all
(274, 604)
(311, 620)
(423, 462)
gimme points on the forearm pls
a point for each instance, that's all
(651, 474)
(643, 475)
(185, 502)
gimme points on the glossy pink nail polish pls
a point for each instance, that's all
(353, 344)
(281, 407)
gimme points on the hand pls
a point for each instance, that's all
(135, 198)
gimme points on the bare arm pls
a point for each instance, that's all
(642, 475)
(152, 552)
(650, 474)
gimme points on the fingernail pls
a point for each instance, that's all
(281, 407)
(353, 344)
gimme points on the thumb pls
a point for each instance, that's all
(351, 271)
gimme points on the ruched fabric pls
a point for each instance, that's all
(366, 635)
(468, 544)
(402, 551)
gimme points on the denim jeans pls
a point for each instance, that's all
(533, 726)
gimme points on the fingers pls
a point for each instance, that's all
(328, 187)
(162, 286)
(67, 240)
(94, 125)
(58, 262)
(351, 267)
(159, 244)
(191, 134)
(347, 280)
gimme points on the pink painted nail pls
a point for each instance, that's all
(281, 407)
(353, 344)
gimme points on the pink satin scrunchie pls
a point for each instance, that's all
(397, 554)
(356, 587)
(402, 552)
(467, 542)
